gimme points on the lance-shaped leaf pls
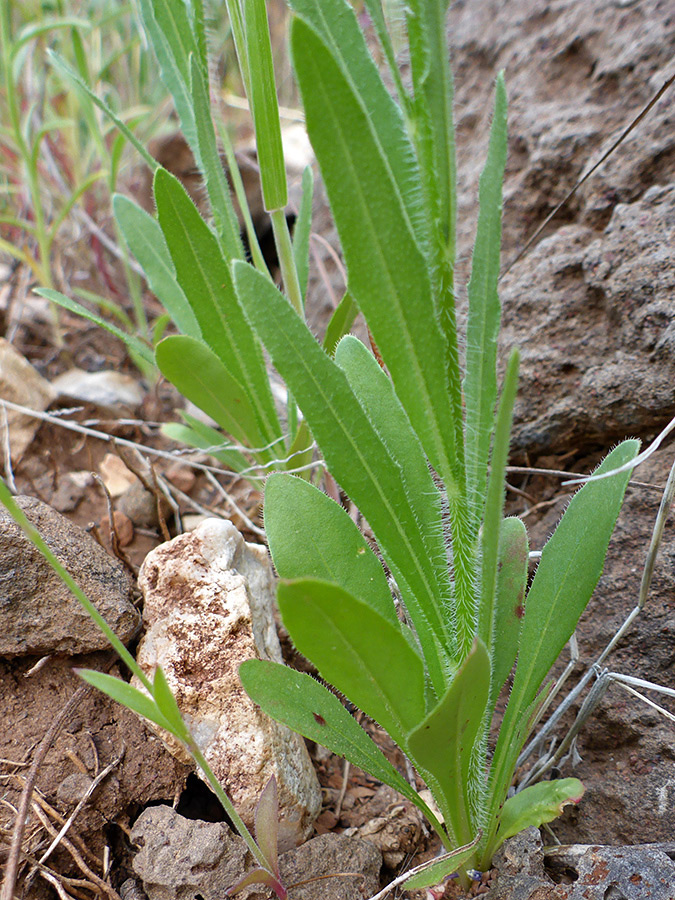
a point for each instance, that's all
(145, 239)
(443, 745)
(358, 651)
(336, 24)
(172, 39)
(510, 602)
(375, 393)
(356, 456)
(494, 505)
(311, 536)
(570, 567)
(480, 384)
(205, 278)
(536, 805)
(388, 273)
(196, 371)
(306, 706)
(340, 323)
(132, 342)
(432, 109)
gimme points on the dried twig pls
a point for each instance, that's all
(71, 818)
(26, 795)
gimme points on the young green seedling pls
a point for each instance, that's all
(421, 451)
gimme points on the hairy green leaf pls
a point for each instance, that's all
(145, 240)
(354, 453)
(206, 280)
(390, 282)
(335, 23)
(310, 536)
(195, 370)
(340, 323)
(480, 383)
(357, 650)
(536, 805)
(172, 40)
(509, 603)
(306, 706)
(443, 744)
(375, 393)
(494, 505)
(570, 566)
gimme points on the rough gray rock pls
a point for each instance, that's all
(595, 322)
(112, 391)
(525, 871)
(20, 383)
(38, 614)
(209, 601)
(330, 854)
(591, 309)
(182, 859)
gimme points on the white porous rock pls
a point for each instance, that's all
(209, 600)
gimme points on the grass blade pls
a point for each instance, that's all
(217, 188)
(137, 346)
(264, 106)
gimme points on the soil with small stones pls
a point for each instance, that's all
(595, 327)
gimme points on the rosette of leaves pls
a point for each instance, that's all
(419, 443)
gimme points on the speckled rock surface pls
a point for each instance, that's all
(590, 303)
(38, 614)
(526, 871)
(180, 859)
(209, 600)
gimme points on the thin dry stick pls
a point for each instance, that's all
(112, 529)
(647, 574)
(71, 818)
(12, 869)
(74, 852)
(624, 134)
(7, 452)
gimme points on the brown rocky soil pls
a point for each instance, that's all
(591, 307)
